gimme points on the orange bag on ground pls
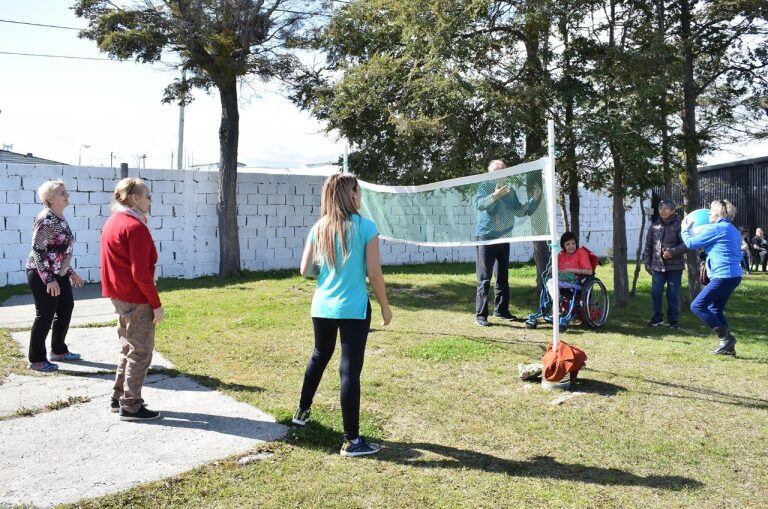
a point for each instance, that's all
(567, 359)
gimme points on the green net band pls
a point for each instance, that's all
(508, 205)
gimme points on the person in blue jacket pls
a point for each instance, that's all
(721, 242)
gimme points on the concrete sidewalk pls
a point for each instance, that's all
(83, 450)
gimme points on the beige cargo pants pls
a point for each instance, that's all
(137, 341)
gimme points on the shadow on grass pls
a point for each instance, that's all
(220, 424)
(212, 382)
(697, 393)
(596, 386)
(483, 339)
(428, 455)
(449, 295)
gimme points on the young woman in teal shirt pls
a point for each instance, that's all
(340, 304)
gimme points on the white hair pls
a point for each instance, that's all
(723, 209)
(496, 162)
(49, 189)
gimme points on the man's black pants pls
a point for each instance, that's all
(492, 260)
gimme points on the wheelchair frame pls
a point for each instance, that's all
(577, 301)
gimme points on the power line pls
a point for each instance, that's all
(38, 24)
(69, 57)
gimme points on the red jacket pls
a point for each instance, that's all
(128, 258)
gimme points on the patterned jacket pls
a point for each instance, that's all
(664, 235)
(51, 252)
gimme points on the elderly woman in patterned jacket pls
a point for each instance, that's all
(51, 278)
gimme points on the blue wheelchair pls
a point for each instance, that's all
(585, 302)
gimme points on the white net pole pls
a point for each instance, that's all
(552, 212)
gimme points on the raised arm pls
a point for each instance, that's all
(707, 236)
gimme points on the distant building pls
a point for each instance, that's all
(744, 183)
(6, 156)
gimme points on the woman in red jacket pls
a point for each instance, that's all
(572, 263)
(128, 258)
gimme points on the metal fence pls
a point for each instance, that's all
(744, 183)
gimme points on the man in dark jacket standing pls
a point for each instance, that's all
(664, 249)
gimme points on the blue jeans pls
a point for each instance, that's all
(710, 303)
(672, 279)
(745, 261)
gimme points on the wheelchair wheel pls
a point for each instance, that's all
(594, 303)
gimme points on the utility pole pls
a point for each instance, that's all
(80, 154)
(111, 158)
(144, 161)
(180, 162)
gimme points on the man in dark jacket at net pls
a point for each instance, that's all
(664, 250)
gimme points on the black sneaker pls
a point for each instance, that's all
(114, 406)
(301, 417)
(655, 323)
(361, 448)
(505, 316)
(674, 326)
(143, 414)
(482, 322)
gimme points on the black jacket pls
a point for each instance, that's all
(664, 235)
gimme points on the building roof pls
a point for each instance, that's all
(734, 164)
(6, 156)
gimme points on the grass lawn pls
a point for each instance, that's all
(661, 423)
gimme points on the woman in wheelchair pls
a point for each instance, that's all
(585, 298)
(573, 263)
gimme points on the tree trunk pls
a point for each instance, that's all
(564, 212)
(536, 121)
(639, 252)
(572, 174)
(691, 192)
(541, 252)
(229, 132)
(663, 105)
(620, 275)
(569, 138)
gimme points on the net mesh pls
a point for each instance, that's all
(502, 206)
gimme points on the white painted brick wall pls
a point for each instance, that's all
(275, 214)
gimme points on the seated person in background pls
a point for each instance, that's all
(760, 247)
(573, 263)
(745, 251)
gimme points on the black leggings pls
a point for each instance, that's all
(354, 334)
(56, 311)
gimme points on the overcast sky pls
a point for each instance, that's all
(52, 107)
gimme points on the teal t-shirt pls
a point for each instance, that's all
(342, 293)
